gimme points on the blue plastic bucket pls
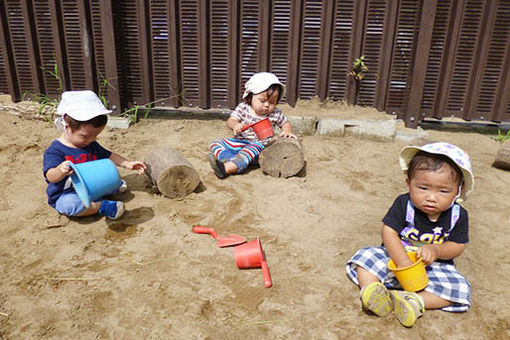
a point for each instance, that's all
(95, 179)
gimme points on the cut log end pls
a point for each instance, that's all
(171, 172)
(178, 181)
(283, 158)
(502, 160)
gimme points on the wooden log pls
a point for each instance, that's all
(282, 158)
(171, 172)
(503, 157)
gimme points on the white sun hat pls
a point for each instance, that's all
(456, 154)
(81, 105)
(259, 82)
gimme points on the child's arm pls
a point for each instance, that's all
(446, 251)
(394, 247)
(287, 130)
(131, 165)
(234, 124)
(59, 172)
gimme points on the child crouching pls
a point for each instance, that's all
(84, 117)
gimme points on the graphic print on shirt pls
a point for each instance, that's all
(410, 236)
(82, 158)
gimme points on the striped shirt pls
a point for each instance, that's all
(243, 114)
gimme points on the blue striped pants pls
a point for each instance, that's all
(241, 152)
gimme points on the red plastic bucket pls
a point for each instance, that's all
(262, 128)
(251, 255)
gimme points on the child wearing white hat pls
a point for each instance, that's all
(83, 117)
(429, 221)
(262, 93)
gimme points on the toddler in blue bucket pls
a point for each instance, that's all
(83, 117)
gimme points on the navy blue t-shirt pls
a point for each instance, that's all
(56, 153)
(424, 231)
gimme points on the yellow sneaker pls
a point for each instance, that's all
(408, 307)
(376, 298)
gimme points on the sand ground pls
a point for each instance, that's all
(147, 276)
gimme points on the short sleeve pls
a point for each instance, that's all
(238, 112)
(395, 217)
(460, 233)
(52, 158)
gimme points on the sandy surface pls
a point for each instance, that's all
(147, 276)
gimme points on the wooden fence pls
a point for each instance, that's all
(428, 58)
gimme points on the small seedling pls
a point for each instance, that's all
(359, 68)
(501, 137)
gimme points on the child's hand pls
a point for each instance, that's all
(285, 134)
(237, 128)
(428, 253)
(135, 165)
(65, 168)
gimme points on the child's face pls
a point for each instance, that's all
(262, 105)
(433, 191)
(83, 136)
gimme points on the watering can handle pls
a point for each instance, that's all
(205, 230)
(246, 127)
(265, 273)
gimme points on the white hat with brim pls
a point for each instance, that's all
(259, 82)
(456, 154)
(81, 105)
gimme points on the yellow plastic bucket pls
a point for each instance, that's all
(412, 278)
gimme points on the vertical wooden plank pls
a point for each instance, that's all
(452, 40)
(7, 55)
(328, 16)
(234, 38)
(480, 61)
(292, 86)
(31, 43)
(87, 45)
(357, 43)
(145, 48)
(110, 55)
(421, 58)
(265, 35)
(502, 98)
(175, 56)
(60, 45)
(383, 73)
(203, 54)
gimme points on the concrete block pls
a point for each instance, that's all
(303, 126)
(380, 130)
(330, 127)
(118, 122)
(408, 135)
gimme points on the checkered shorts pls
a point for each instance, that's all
(444, 279)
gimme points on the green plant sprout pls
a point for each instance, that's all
(48, 106)
(359, 68)
(501, 137)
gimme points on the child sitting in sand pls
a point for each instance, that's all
(233, 155)
(83, 119)
(428, 219)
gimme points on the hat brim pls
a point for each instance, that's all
(259, 90)
(407, 154)
(83, 116)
